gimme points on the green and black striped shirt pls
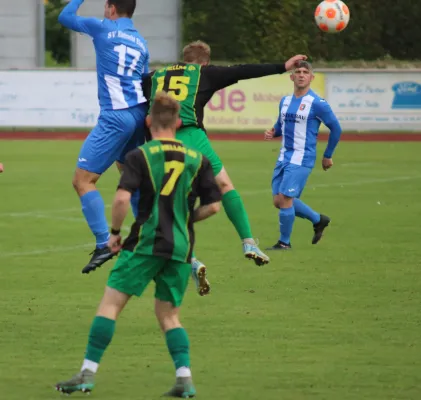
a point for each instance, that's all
(170, 177)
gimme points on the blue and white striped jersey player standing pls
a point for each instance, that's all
(121, 58)
(300, 116)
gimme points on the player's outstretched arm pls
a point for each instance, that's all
(120, 208)
(269, 134)
(69, 18)
(221, 76)
(204, 212)
(130, 181)
(276, 131)
(327, 116)
(208, 191)
(1, 167)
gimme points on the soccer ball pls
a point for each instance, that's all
(332, 16)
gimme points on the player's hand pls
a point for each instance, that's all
(327, 163)
(269, 134)
(1, 167)
(293, 61)
(114, 243)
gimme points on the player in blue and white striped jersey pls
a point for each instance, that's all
(121, 57)
(300, 116)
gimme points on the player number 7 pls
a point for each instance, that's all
(122, 51)
(174, 169)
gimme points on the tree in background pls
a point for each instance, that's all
(57, 37)
(273, 30)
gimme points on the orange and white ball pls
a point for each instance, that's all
(332, 16)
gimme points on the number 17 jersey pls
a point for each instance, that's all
(121, 57)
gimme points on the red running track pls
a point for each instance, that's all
(250, 137)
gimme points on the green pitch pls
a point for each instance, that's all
(336, 321)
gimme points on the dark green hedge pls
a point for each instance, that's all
(268, 30)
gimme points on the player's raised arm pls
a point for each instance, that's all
(226, 76)
(327, 116)
(209, 193)
(69, 18)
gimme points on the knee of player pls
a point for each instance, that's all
(84, 179)
(168, 323)
(282, 201)
(277, 201)
(225, 186)
(224, 182)
(76, 183)
(167, 315)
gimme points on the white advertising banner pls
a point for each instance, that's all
(56, 99)
(376, 101)
(363, 101)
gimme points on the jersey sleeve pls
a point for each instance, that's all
(146, 66)
(221, 77)
(278, 123)
(325, 114)
(131, 177)
(208, 189)
(147, 84)
(69, 18)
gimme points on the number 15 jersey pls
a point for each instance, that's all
(121, 57)
(193, 85)
(170, 177)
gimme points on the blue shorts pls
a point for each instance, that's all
(289, 179)
(117, 132)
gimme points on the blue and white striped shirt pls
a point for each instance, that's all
(121, 56)
(299, 122)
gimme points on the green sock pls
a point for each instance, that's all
(236, 212)
(178, 346)
(100, 335)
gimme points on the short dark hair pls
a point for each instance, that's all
(123, 7)
(164, 111)
(304, 64)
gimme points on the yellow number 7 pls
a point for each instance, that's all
(175, 169)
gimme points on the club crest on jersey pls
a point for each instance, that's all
(302, 107)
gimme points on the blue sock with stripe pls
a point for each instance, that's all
(286, 222)
(93, 209)
(302, 210)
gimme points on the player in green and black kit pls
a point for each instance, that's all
(193, 83)
(170, 177)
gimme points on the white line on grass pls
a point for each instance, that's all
(58, 249)
(36, 212)
(341, 184)
(46, 250)
(47, 213)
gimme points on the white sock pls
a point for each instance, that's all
(91, 365)
(183, 372)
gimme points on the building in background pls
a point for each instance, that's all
(22, 34)
(159, 21)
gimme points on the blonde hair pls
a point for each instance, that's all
(197, 52)
(164, 112)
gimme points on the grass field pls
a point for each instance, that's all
(336, 321)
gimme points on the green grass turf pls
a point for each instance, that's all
(336, 321)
